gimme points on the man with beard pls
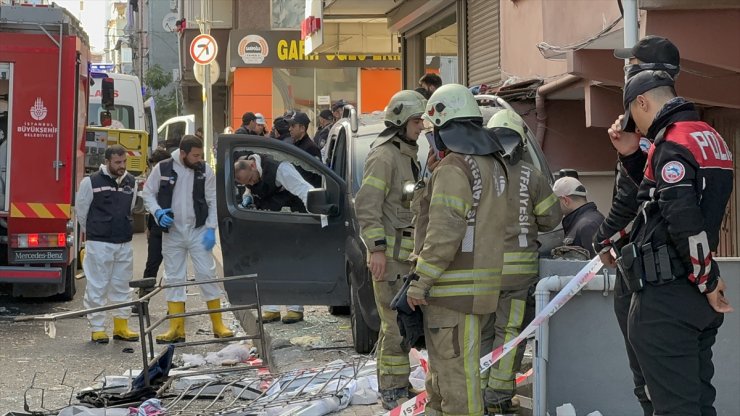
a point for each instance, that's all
(181, 192)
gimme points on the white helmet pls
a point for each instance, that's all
(404, 105)
(510, 130)
(449, 102)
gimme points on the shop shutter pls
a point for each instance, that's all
(483, 42)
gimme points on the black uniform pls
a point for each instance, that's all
(613, 232)
(309, 146)
(684, 194)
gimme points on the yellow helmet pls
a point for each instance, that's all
(510, 130)
(404, 105)
(449, 102)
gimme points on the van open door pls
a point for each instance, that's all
(299, 257)
(150, 121)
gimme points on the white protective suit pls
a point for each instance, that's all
(183, 238)
(108, 267)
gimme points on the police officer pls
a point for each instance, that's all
(181, 192)
(103, 205)
(462, 251)
(679, 300)
(533, 207)
(383, 209)
(651, 52)
(299, 133)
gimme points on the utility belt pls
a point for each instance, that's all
(647, 264)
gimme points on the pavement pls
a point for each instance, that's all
(54, 367)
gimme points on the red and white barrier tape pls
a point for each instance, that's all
(415, 406)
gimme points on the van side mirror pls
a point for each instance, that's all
(354, 119)
(107, 93)
(317, 202)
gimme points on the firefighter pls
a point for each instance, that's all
(459, 265)
(678, 301)
(383, 208)
(103, 205)
(181, 192)
(533, 207)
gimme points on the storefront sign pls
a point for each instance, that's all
(312, 30)
(285, 49)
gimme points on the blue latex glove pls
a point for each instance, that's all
(163, 219)
(209, 239)
(247, 200)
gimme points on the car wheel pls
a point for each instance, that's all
(340, 310)
(364, 337)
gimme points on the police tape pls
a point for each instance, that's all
(415, 406)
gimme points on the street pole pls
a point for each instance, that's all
(631, 28)
(141, 41)
(205, 28)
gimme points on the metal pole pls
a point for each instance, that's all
(57, 162)
(205, 27)
(141, 40)
(631, 25)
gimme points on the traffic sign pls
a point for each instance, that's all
(200, 70)
(203, 49)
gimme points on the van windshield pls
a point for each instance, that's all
(121, 113)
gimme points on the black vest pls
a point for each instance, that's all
(109, 219)
(268, 195)
(167, 182)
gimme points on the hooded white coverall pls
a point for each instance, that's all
(183, 238)
(108, 267)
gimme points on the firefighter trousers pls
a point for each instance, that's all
(672, 329)
(512, 314)
(393, 362)
(453, 343)
(108, 269)
(176, 246)
(622, 301)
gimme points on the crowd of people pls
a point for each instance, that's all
(453, 257)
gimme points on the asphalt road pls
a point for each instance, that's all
(54, 367)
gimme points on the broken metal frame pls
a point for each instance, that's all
(239, 377)
(146, 327)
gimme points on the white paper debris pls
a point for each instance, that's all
(50, 329)
(565, 410)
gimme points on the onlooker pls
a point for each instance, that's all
(430, 82)
(582, 219)
(154, 233)
(326, 120)
(261, 124)
(298, 127)
(424, 92)
(199, 133)
(338, 109)
(273, 185)
(103, 206)
(281, 130)
(249, 124)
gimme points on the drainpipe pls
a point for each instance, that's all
(539, 100)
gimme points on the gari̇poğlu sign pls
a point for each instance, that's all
(284, 49)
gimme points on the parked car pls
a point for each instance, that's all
(307, 258)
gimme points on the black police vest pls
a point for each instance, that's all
(109, 219)
(268, 195)
(167, 182)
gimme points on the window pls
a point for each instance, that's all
(175, 131)
(268, 196)
(121, 113)
(288, 14)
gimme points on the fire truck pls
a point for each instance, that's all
(44, 84)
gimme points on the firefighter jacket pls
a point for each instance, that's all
(382, 207)
(462, 251)
(685, 190)
(532, 207)
(103, 205)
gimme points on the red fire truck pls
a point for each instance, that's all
(44, 61)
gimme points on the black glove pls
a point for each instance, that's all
(410, 322)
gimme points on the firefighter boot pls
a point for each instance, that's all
(99, 337)
(506, 407)
(292, 317)
(177, 325)
(219, 329)
(268, 317)
(121, 331)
